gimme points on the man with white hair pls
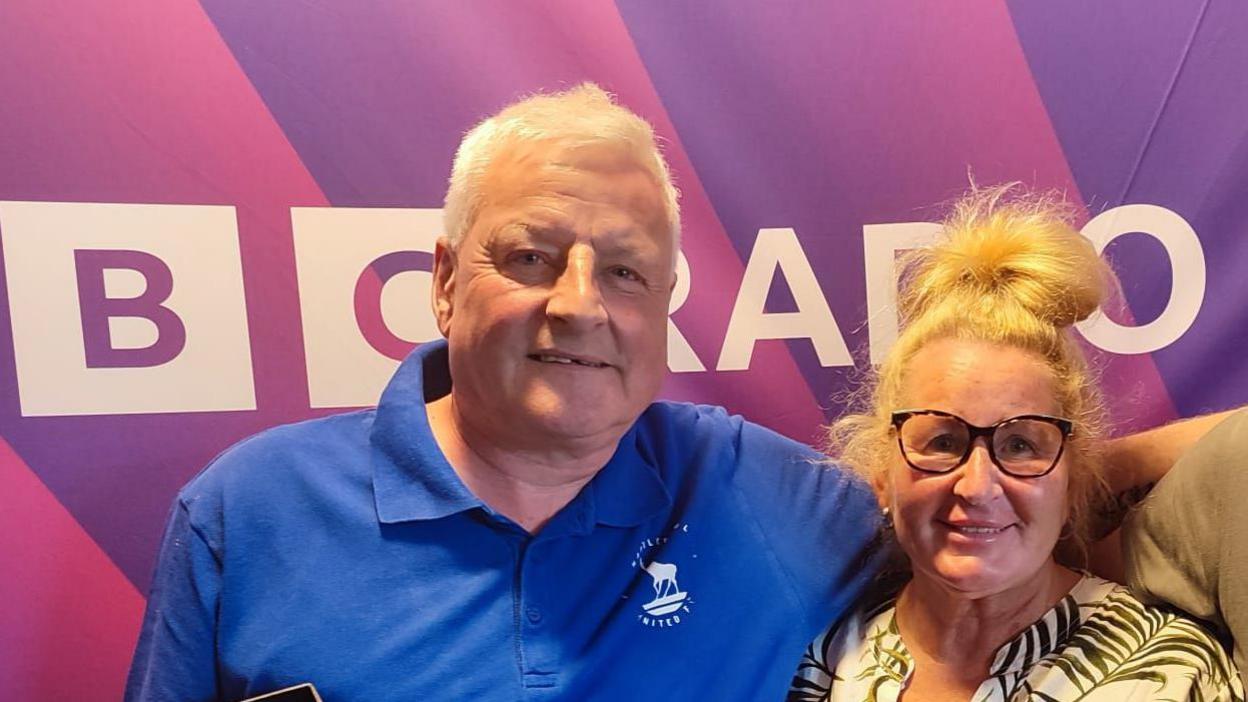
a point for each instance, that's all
(518, 518)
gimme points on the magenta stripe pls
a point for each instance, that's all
(143, 102)
(70, 618)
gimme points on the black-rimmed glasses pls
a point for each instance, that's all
(1027, 446)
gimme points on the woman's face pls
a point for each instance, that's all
(975, 529)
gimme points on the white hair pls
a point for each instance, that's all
(581, 116)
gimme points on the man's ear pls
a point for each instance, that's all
(443, 297)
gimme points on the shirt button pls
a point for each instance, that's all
(534, 615)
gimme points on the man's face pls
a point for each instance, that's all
(555, 302)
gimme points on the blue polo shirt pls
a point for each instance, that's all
(346, 552)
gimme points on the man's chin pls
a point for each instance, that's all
(576, 416)
(576, 425)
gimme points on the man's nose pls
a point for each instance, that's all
(979, 482)
(576, 298)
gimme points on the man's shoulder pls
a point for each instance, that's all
(285, 457)
(709, 438)
(1218, 453)
(700, 423)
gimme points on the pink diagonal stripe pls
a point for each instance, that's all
(773, 391)
(68, 617)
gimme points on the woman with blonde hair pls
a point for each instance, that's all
(983, 443)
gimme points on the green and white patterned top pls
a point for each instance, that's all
(1098, 643)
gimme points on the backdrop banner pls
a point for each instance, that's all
(218, 216)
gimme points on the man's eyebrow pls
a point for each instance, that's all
(519, 233)
(541, 230)
(514, 231)
(628, 246)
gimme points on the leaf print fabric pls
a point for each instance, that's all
(1097, 644)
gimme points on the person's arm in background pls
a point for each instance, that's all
(1133, 465)
(1141, 459)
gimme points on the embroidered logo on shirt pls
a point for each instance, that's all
(669, 601)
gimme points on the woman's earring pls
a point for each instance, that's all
(888, 517)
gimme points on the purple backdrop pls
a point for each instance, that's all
(816, 117)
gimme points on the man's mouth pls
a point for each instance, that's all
(567, 360)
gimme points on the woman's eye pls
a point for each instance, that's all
(944, 443)
(1018, 446)
(529, 258)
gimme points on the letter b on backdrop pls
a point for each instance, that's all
(126, 308)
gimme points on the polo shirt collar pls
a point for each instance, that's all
(412, 480)
(628, 490)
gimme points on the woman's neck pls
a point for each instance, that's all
(945, 628)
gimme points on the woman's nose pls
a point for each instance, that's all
(979, 481)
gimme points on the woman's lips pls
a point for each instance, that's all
(976, 532)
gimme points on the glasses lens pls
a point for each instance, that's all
(1027, 446)
(933, 442)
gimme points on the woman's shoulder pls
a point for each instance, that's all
(851, 639)
(1143, 630)
(1112, 605)
(1123, 643)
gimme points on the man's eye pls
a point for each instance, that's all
(625, 274)
(528, 266)
(528, 258)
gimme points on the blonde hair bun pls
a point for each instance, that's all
(1002, 248)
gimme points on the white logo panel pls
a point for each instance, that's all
(357, 321)
(123, 308)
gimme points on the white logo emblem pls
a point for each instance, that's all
(669, 601)
(667, 595)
